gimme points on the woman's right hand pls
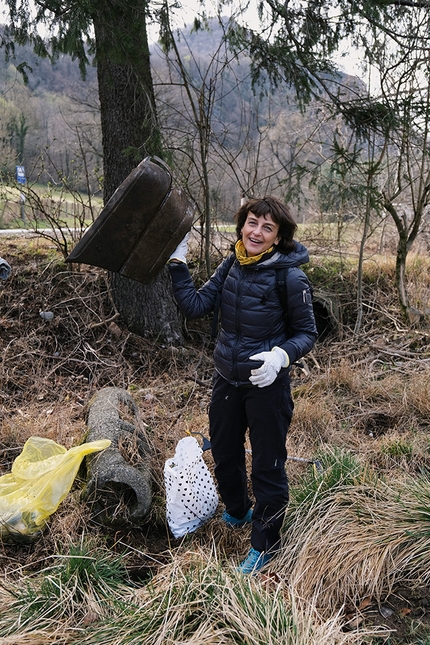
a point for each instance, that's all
(180, 253)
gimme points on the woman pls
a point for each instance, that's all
(253, 354)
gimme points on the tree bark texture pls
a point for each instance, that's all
(127, 104)
(148, 309)
(129, 134)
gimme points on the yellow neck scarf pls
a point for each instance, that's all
(244, 258)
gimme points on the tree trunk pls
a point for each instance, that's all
(149, 310)
(401, 256)
(129, 134)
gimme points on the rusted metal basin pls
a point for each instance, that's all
(140, 226)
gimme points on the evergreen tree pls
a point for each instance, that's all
(114, 32)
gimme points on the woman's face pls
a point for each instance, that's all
(259, 233)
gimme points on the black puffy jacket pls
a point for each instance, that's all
(252, 317)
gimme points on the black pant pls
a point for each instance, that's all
(267, 412)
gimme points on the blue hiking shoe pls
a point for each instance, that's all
(254, 561)
(234, 521)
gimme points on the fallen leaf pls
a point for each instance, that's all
(270, 577)
(365, 603)
(114, 330)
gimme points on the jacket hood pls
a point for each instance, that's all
(293, 259)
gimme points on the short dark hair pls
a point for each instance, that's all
(280, 214)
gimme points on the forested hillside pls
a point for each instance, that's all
(51, 124)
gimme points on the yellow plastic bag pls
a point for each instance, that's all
(40, 478)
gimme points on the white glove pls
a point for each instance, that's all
(273, 361)
(180, 253)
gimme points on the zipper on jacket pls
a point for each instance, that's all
(241, 277)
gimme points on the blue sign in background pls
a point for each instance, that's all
(20, 174)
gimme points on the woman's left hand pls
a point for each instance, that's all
(272, 363)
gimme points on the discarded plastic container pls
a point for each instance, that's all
(46, 315)
(140, 226)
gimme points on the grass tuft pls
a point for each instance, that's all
(79, 584)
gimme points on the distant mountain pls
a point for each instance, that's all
(259, 139)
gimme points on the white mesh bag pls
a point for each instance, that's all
(191, 496)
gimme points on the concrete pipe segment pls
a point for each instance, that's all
(118, 488)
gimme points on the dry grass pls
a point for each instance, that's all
(367, 396)
(197, 599)
(358, 541)
(364, 538)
